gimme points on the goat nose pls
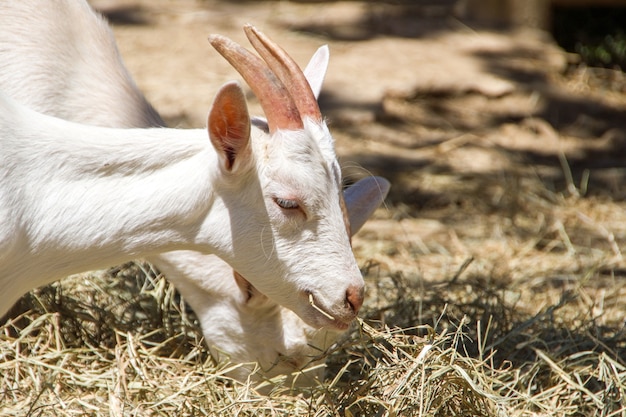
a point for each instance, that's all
(354, 297)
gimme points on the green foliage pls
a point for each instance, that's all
(596, 34)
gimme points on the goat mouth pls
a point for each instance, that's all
(327, 319)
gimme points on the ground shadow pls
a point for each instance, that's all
(125, 15)
(404, 19)
(595, 130)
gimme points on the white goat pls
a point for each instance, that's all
(269, 204)
(74, 71)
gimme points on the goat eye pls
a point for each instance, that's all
(286, 204)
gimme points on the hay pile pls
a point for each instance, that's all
(526, 335)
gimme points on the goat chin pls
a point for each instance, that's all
(75, 43)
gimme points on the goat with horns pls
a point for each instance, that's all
(252, 328)
(265, 198)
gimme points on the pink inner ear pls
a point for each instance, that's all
(229, 123)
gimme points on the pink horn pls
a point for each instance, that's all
(287, 71)
(277, 103)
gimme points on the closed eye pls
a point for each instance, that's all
(286, 203)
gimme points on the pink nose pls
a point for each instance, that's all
(354, 297)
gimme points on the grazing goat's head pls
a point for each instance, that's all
(252, 330)
(290, 165)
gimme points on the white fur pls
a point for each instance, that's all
(88, 83)
(60, 52)
(78, 197)
(244, 326)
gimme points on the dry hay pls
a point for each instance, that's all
(501, 296)
(511, 330)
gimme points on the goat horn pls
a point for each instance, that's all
(287, 71)
(277, 103)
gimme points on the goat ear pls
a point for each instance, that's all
(315, 70)
(254, 298)
(229, 124)
(363, 198)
